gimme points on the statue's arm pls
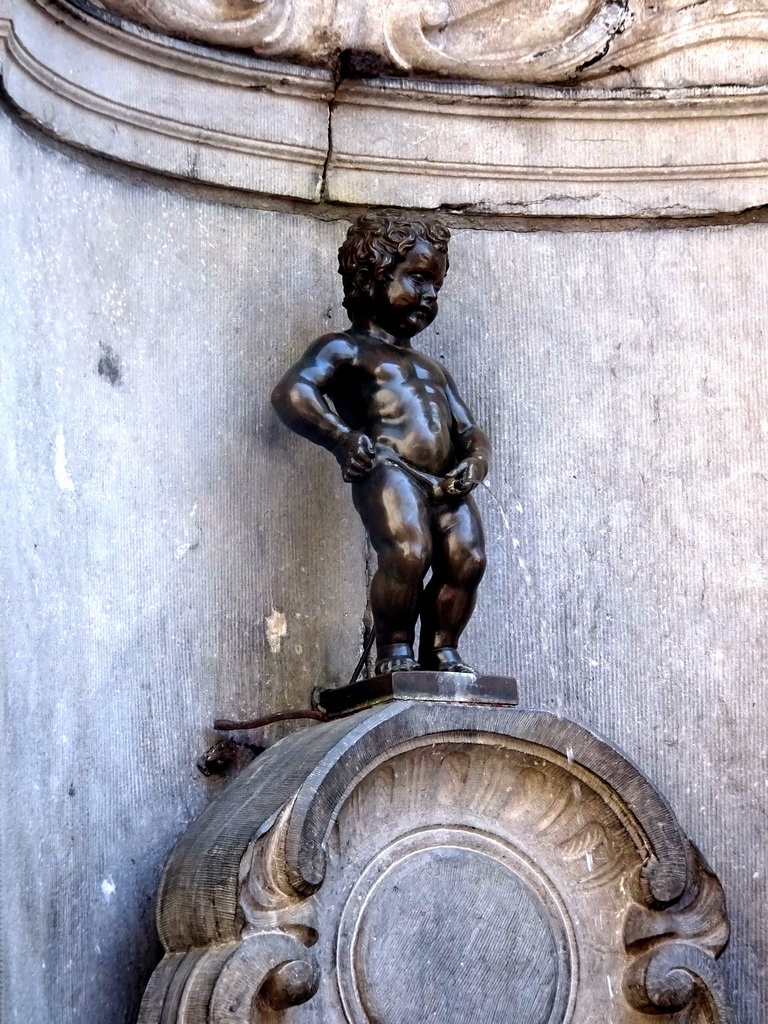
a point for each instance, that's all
(298, 397)
(299, 400)
(468, 437)
(472, 444)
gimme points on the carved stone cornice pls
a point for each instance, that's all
(551, 152)
(5, 27)
(230, 119)
(190, 111)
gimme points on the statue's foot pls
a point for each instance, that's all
(447, 659)
(395, 658)
(399, 663)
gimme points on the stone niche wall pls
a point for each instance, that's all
(171, 554)
(157, 518)
(160, 532)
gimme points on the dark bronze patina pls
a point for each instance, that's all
(403, 436)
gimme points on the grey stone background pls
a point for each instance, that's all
(155, 516)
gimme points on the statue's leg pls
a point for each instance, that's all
(396, 514)
(458, 565)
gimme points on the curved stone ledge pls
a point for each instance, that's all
(345, 853)
(227, 119)
(550, 152)
(180, 109)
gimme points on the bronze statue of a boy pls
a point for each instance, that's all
(403, 436)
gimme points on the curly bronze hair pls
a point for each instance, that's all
(377, 240)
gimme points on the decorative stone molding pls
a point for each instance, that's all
(554, 152)
(507, 41)
(5, 27)
(423, 861)
(189, 111)
(222, 118)
(576, 40)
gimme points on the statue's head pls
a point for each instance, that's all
(393, 264)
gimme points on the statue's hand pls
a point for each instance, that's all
(355, 453)
(465, 477)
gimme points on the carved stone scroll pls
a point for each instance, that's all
(556, 41)
(420, 862)
(286, 28)
(486, 40)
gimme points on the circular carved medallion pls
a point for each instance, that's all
(452, 925)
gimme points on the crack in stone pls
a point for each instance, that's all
(323, 191)
(621, 26)
(457, 215)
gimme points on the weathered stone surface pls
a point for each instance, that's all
(185, 110)
(160, 558)
(704, 43)
(443, 862)
(623, 378)
(207, 115)
(5, 25)
(549, 152)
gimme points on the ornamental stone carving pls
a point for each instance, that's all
(256, 125)
(425, 861)
(509, 41)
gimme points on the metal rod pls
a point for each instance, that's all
(225, 725)
(364, 656)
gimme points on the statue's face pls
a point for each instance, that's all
(405, 301)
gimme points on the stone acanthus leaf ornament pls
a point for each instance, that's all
(531, 41)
